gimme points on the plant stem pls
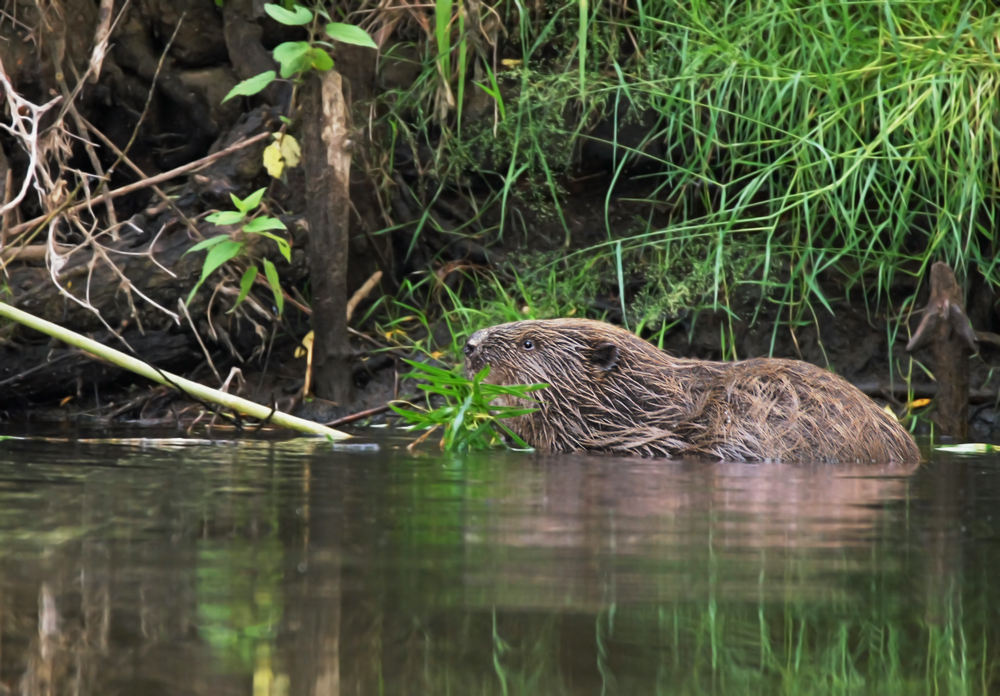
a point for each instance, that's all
(200, 391)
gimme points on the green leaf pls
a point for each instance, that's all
(217, 255)
(264, 223)
(348, 33)
(272, 277)
(514, 436)
(411, 416)
(321, 60)
(432, 369)
(296, 18)
(283, 246)
(253, 200)
(294, 57)
(251, 86)
(225, 217)
(207, 243)
(246, 282)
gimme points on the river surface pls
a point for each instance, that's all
(272, 568)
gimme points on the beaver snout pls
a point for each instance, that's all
(473, 358)
(474, 342)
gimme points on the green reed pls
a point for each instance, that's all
(803, 150)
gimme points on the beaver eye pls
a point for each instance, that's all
(528, 344)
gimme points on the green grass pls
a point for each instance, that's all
(809, 150)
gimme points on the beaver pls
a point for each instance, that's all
(610, 391)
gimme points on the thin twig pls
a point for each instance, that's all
(101, 38)
(410, 447)
(194, 329)
(95, 162)
(362, 292)
(149, 98)
(357, 416)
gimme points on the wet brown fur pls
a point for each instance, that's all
(610, 391)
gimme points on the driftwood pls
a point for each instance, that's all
(947, 329)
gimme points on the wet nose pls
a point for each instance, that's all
(475, 340)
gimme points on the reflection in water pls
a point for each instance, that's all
(289, 569)
(736, 529)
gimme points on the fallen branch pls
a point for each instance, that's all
(193, 388)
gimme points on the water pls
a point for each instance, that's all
(288, 568)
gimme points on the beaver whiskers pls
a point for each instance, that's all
(610, 391)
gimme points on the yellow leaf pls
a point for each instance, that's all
(290, 150)
(917, 403)
(65, 401)
(892, 414)
(273, 161)
(437, 354)
(307, 342)
(511, 62)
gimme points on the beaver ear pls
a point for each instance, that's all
(604, 355)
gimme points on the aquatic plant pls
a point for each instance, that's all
(468, 417)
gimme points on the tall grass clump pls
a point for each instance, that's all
(856, 137)
(829, 144)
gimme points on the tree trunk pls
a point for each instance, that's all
(327, 163)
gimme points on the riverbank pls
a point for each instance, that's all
(729, 183)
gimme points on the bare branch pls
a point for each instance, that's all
(25, 118)
(139, 185)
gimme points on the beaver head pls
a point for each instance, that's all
(610, 391)
(530, 352)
